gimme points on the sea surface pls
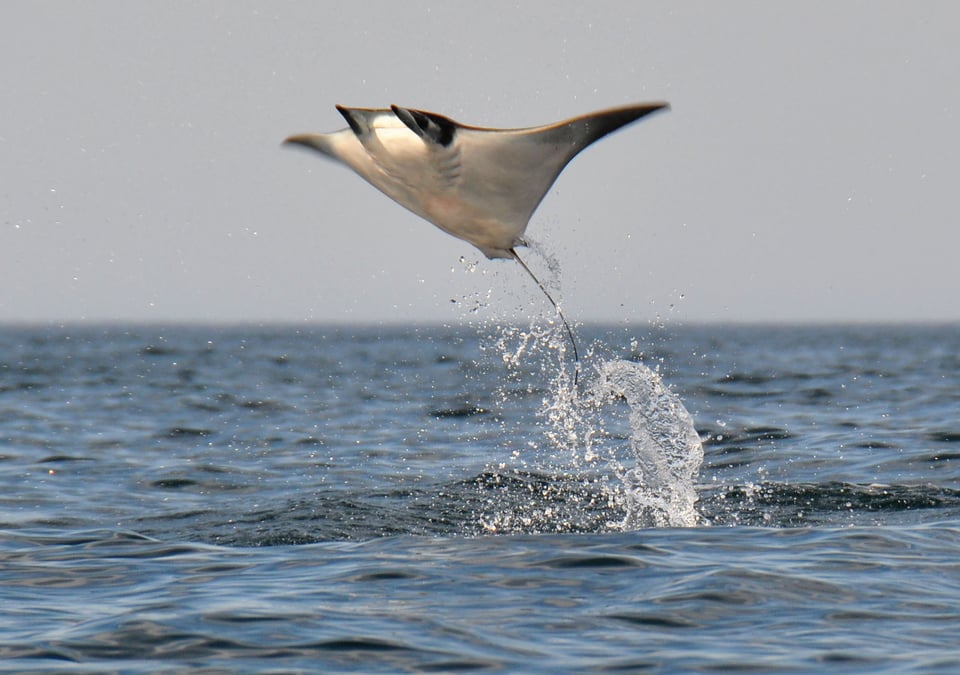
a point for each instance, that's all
(426, 498)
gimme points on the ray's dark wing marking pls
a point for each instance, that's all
(427, 125)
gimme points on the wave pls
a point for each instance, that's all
(518, 503)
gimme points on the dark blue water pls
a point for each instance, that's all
(384, 499)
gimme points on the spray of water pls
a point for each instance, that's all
(620, 429)
(659, 488)
(621, 423)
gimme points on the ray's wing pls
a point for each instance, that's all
(509, 171)
(347, 145)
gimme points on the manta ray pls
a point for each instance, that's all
(479, 184)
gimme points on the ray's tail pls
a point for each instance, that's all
(573, 340)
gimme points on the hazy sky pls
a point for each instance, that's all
(808, 170)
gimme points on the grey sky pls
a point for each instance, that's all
(807, 171)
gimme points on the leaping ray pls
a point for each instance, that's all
(481, 185)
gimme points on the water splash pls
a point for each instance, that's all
(659, 489)
(647, 462)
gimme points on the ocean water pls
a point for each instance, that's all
(382, 499)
